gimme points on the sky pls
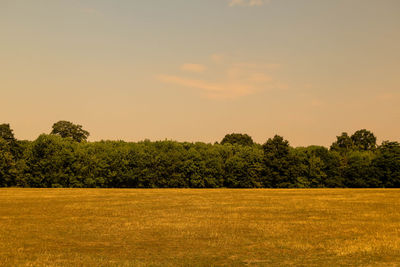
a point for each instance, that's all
(195, 70)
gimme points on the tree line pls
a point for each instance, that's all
(64, 158)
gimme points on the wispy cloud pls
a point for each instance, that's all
(265, 66)
(250, 3)
(234, 79)
(222, 90)
(189, 67)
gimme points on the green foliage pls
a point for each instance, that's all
(237, 139)
(343, 143)
(313, 170)
(386, 164)
(63, 160)
(6, 133)
(364, 140)
(68, 129)
(49, 162)
(244, 168)
(360, 140)
(357, 171)
(281, 165)
(8, 170)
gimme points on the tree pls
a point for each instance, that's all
(49, 162)
(8, 168)
(6, 133)
(343, 143)
(62, 159)
(364, 140)
(237, 139)
(244, 168)
(16, 147)
(68, 129)
(282, 166)
(387, 164)
(276, 147)
(358, 172)
(312, 165)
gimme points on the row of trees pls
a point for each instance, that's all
(65, 159)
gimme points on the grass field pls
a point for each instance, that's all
(172, 227)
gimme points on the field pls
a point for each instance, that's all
(175, 227)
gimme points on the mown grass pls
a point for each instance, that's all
(187, 227)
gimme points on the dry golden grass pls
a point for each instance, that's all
(187, 227)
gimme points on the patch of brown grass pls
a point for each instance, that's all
(175, 227)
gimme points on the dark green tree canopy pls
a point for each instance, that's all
(281, 166)
(386, 164)
(58, 160)
(364, 140)
(6, 133)
(277, 146)
(389, 146)
(343, 143)
(237, 139)
(68, 129)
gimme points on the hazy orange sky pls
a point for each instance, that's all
(195, 70)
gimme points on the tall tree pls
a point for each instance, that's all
(8, 168)
(282, 167)
(387, 164)
(364, 140)
(238, 139)
(358, 172)
(49, 162)
(6, 133)
(68, 129)
(343, 143)
(312, 165)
